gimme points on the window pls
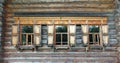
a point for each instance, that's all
(61, 35)
(94, 37)
(27, 35)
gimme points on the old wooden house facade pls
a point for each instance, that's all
(60, 31)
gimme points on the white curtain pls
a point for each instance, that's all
(105, 34)
(85, 33)
(72, 34)
(15, 35)
(37, 36)
(50, 34)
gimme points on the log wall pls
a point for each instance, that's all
(55, 8)
(117, 20)
(61, 5)
(1, 19)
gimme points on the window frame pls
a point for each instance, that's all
(32, 34)
(93, 34)
(61, 43)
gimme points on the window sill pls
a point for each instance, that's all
(26, 46)
(61, 47)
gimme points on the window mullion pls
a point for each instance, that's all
(26, 39)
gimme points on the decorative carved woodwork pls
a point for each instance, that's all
(61, 20)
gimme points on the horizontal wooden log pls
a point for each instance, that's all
(9, 33)
(62, 10)
(1, 1)
(65, 5)
(10, 19)
(9, 15)
(36, 1)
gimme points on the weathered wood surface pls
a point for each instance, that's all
(34, 6)
(117, 23)
(62, 10)
(61, 20)
(1, 20)
(41, 1)
(58, 57)
(61, 5)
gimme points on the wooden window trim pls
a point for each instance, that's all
(61, 43)
(94, 33)
(21, 43)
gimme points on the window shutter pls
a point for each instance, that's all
(85, 29)
(105, 34)
(85, 34)
(105, 29)
(14, 35)
(37, 34)
(50, 35)
(72, 34)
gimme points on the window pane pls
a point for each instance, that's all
(64, 38)
(97, 38)
(61, 28)
(29, 39)
(93, 29)
(58, 38)
(27, 29)
(23, 39)
(90, 38)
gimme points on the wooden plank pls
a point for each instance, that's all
(63, 10)
(61, 20)
(95, 5)
(41, 1)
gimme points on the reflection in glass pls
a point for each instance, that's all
(61, 29)
(93, 29)
(23, 39)
(64, 38)
(27, 29)
(91, 38)
(58, 38)
(29, 39)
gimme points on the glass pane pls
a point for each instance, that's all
(58, 38)
(61, 29)
(27, 29)
(93, 29)
(23, 39)
(64, 38)
(97, 38)
(29, 39)
(90, 38)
